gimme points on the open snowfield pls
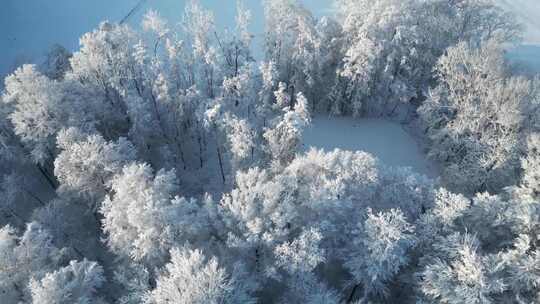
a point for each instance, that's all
(384, 139)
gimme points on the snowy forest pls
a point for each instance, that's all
(164, 163)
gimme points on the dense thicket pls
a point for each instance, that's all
(165, 166)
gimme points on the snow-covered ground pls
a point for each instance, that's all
(384, 139)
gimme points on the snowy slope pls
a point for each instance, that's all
(384, 139)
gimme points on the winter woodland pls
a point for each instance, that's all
(164, 164)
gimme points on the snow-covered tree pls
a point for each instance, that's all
(498, 219)
(235, 44)
(191, 102)
(477, 21)
(240, 139)
(57, 62)
(391, 47)
(330, 58)
(519, 267)
(191, 277)
(531, 164)
(10, 148)
(136, 281)
(143, 217)
(462, 275)
(301, 255)
(381, 248)
(329, 190)
(31, 255)
(257, 215)
(299, 259)
(87, 163)
(199, 27)
(37, 113)
(284, 139)
(492, 262)
(66, 223)
(76, 283)
(441, 218)
(387, 56)
(326, 191)
(474, 118)
(235, 136)
(292, 43)
(101, 71)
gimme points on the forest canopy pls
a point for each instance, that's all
(164, 164)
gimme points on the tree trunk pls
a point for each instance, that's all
(47, 177)
(15, 215)
(351, 295)
(220, 164)
(35, 197)
(200, 150)
(182, 156)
